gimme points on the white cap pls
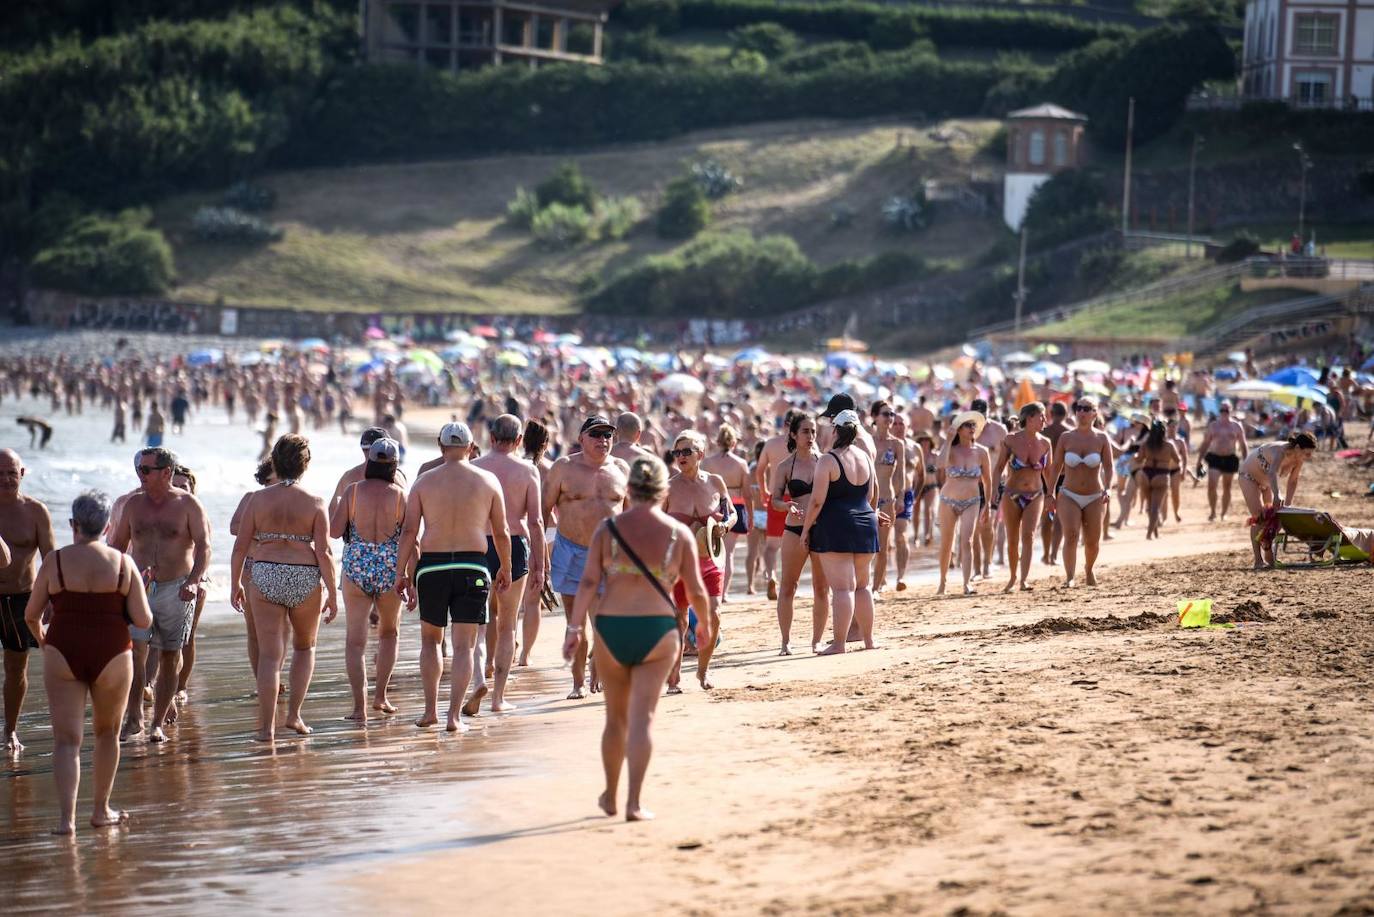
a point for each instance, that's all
(455, 434)
(846, 418)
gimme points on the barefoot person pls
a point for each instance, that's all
(369, 519)
(26, 528)
(292, 581)
(166, 531)
(632, 562)
(1157, 462)
(1223, 449)
(734, 471)
(1051, 530)
(1084, 458)
(185, 479)
(93, 589)
(774, 452)
(583, 489)
(629, 430)
(535, 443)
(457, 505)
(1259, 485)
(841, 526)
(1025, 455)
(519, 482)
(790, 492)
(913, 479)
(264, 475)
(991, 439)
(694, 497)
(967, 469)
(889, 469)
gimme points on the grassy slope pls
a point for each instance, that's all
(1165, 319)
(432, 236)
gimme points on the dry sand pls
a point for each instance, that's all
(1052, 752)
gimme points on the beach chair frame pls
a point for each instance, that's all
(1325, 548)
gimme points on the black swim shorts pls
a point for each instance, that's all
(14, 631)
(453, 587)
(1226, 464)
(519, 557)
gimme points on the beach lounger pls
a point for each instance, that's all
(1311, 538)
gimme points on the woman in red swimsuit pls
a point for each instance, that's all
(96, 593)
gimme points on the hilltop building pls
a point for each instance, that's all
(1041, 142)
(466, 34)
(1317, 53)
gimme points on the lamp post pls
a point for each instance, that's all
(1192, 183)
(1304, 163)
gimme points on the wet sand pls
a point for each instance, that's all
(1061, 750)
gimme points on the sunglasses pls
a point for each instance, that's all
(1084, 409)
(145, 470)
(601, 434)
(684, 453)
(886, 414)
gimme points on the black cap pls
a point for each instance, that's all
(594, 422)
(371, 435)
(838, 402)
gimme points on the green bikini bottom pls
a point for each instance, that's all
(632, 637)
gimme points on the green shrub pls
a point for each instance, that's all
(1242, 246)
(714, 179)
(562, 226)
(617, 216)
(662, 15)
(522, 209)
(107, 256)
(891, 268)
(889, 33)
(820, 56)
(248, 197)
(566, 186)
(1099, 265)
(644, 46)
(767, 38)
(685, 211)
(226, 224)
(748, 62)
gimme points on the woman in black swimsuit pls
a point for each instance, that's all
(790, 492)
(1156, 461)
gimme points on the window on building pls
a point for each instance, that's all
(1061, 148)
(545, 30)
(438, 25)
(474, 27)
(1037, 147)
(402, 24)
(513, 29)
(1315, 33)
(1312, 87)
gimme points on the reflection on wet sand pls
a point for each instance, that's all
(212, 803)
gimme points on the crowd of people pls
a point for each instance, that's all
(605, 494)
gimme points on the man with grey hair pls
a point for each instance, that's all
(26, 528)
(519, 482)
(167, 533)
(628, 430)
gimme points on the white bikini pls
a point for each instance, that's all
(1073, 460)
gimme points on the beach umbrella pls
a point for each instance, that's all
(1292, 394)
(427, 358)
(385, 347)
(486, 331)
(1046, 349)
(414, 369)
(1251, 389)
(1028, 375)
(845, 343)
(681, 384)
(1236, 356)
(250, 359)
(1090, 367)
(994, 376)
(1095, 388)
(845, 361)
(373, 333)
(573, 339)
(512, 358)
(1226, 372)
(545, 337)
(205, 357)
(460, 352)
(751, 355)
(858, 387)
(1293, 375)
(312, 344)
(1368, 364)
(271, 346)
(1019, 356)
(1048, 368)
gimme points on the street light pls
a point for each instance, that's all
(1192, 179)
(1305, 163)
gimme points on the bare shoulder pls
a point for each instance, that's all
(488, 478)
(619, 464)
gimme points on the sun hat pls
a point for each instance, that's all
(973, 417)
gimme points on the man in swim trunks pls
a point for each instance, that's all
(628, 431)
(167, 533)
(448, 576)
(1223, 448)
(774, 452)
(26, 528)
(585, 488)
(519, 482)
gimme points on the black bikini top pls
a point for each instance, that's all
(795, 487)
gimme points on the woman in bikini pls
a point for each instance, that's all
(1259, 484)
(369, 519)
(1156, 462)
(923, 529)
(96, 593)
(264, 475)
(633, 561)
(758, 528)
(1025, 455)
(1083, 456)
(790, 493)
(286, 528)
(967, 469)
(734, 471)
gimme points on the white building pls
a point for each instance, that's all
(1309, 52)
(1041, 142)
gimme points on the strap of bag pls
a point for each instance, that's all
(634, 559)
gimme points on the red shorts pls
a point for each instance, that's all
(776, 520)
(710, 574)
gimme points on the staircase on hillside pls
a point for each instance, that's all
(1244, 329)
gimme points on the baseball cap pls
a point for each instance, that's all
(846, 418)
(455, 434)
(384, 450)
(371, 435)
(596, 421)
(840, 401)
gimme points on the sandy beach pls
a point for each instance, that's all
(1034, 753)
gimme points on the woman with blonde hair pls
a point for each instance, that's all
(1025, 455)
(633, 561)
(967, 470)
(734, 471)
